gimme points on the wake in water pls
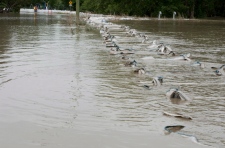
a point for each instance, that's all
(156, 52)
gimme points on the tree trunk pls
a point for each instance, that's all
(192, 10)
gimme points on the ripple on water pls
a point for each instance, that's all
(61, 79)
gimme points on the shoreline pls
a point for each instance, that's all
(116, 17)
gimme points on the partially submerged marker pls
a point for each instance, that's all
(177, 115)
(173, 128)
(177, 97)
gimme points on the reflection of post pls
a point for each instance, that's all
(77, 11)
(35, 18)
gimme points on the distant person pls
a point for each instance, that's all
(35, 8)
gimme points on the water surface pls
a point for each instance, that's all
(58, 75)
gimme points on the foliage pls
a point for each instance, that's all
(12, 4)
(184, 8)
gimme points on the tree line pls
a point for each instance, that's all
(150, 8)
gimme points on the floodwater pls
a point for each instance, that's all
(60, 87)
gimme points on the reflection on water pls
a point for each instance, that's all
(55, 74)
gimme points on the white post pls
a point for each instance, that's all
(159, 14)
(174, 14)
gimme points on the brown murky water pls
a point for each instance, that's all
(204, 40)
(58, 75)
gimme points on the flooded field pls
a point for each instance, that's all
(59, 86)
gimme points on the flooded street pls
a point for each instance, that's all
(60, 87)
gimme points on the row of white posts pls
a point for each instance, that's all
(160, 13)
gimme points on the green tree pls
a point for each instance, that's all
(185, 8)
(14, 5)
